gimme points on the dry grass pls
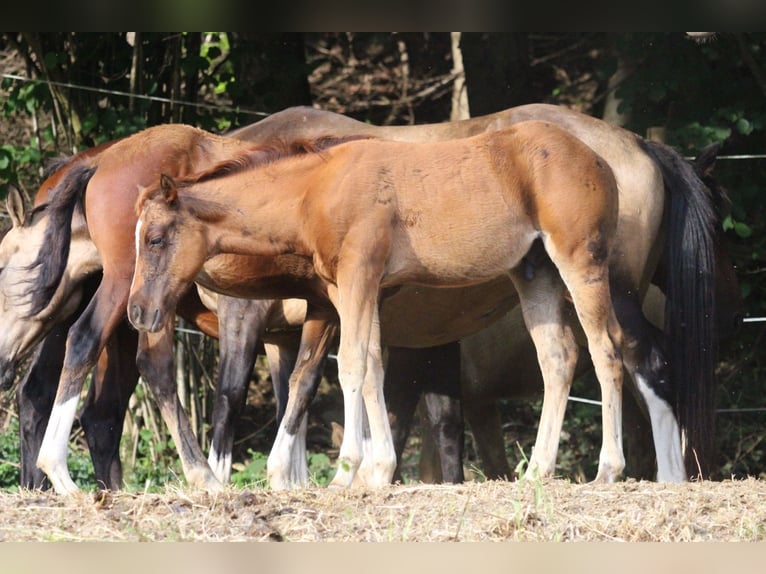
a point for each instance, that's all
(550, 510)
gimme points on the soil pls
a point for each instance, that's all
(525, 510)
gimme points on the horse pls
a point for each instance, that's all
(639, 179)
(371, 214)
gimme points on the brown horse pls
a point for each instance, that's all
(371, 214)
(115, 374)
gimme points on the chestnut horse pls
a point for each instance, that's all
(373, 214)
(45, 265)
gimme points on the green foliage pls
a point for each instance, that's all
(252, 473)
(79, 462)
(156, 464)
(10, 472)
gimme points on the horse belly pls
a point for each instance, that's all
(463, 253)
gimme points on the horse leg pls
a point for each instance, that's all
(35, 399)
(103, 415)
(484, 419)
(587, 278)
(402, 389)
(380, 463)
(429, 464)
(542, 305)
(287, 465)
(85, 340)
(155, 363)
(241, 323)
(440, 370)
(645, 362)
(640, 458)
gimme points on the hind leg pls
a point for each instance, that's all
(85, 340)
(542, 304)
(644, 359)
(241, 323)
(36, 393)
(287, 465)
(588, 285)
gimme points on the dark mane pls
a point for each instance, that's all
(54, 164)
(52, 258)
(257, 156)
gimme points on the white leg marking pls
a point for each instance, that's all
(299, 470)
(221, 465)
(278, 465)
(52, 459)
(666, 434)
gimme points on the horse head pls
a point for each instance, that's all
(20, 277)
(163, 270)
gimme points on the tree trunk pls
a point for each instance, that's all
(612, 114)
(460, 109)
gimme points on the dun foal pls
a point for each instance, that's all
(371, 214)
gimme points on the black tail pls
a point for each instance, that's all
(692, 223)
(52, 258)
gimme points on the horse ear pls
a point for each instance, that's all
(169, 190)
(705, 161)
(15, 205)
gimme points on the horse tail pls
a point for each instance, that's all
(692, 222)
(52, 259)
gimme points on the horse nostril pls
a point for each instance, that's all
(135, 313)
(156, 321)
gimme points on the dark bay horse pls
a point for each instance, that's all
(372, 214)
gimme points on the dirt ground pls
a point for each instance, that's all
(549, 510)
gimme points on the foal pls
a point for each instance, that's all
(372, 214)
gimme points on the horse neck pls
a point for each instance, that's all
(261, 213)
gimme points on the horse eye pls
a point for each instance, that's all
(156, 241)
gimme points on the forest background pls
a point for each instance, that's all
(64, 92)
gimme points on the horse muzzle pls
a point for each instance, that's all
(145, 319)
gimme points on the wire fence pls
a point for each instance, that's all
(238, 110)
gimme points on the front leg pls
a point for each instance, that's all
(85, 341)
(379, 463)
(155, 362)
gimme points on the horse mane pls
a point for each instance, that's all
(257, 156)
(52, 259)
(54, 164)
